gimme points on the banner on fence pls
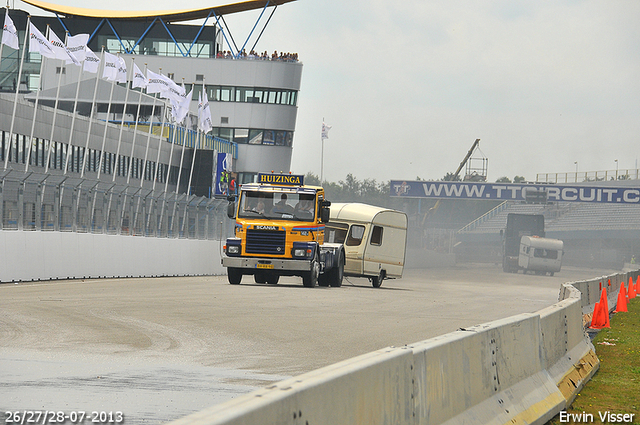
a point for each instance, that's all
(514, 192)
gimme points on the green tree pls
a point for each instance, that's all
(519, 179)
(504, 179)
(451, 177)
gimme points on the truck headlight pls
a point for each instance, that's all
(233, 249)
(299, 252)
(302, 250)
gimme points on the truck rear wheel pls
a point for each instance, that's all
(337, 273)
(234, 275)
(310, 278)
(272, 279)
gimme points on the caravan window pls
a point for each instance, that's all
(551, 254)
(355, 235)
(335, 232)
(376, 235)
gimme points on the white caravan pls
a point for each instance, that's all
(541, 255)
(374, 240)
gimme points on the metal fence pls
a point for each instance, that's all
(589, 176)
(39, 202)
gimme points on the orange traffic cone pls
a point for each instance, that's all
(632, 289)
(595, 317)
(600, 317)
(622, 299)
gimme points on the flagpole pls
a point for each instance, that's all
(73, 118)
(146, 152)
(135, 131)
(7, 148)
(35, 110)
(193, 160)
(55, 111)
(155, 177)
(106, 126)
(322, 156)
(91, 118)
(124, 110)
(184, 142)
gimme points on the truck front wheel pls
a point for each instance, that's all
(310, 278)
(234, 275)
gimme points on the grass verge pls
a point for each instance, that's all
(615, 388)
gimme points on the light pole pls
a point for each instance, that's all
(616, 161)
(576, 163)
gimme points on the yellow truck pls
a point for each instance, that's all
(279, 231)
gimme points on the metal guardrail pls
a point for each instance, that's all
(39, 202)
(588, 176)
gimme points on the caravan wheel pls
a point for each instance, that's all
(376, 281)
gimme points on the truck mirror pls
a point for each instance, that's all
(326, 203)
(231, 198)
(325, 214)
(231, 210)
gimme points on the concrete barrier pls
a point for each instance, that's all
(375, 388)
(521, 370)
(485, 374)
(26, 256)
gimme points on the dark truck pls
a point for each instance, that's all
(518, 225)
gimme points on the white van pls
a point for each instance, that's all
(541, 255)
(374, 240)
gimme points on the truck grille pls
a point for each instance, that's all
(265, 242)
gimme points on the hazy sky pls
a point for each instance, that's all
(408, 86)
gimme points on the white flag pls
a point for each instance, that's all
(91, 62)
(77, 46)
(168, 89)
(155, 82)
(139, 80)
(121, 76)
(181, 108)
(110, 71)
(61, 50)
(204, 115)
(325, 131)
(38, 43)
(9, 33)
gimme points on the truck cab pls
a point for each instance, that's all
(279, 231)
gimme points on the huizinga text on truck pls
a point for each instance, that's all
(279, 231)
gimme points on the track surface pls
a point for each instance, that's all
(157, 349)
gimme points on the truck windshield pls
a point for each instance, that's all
(277, 205)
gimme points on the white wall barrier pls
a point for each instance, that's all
(28, 256)
(520, 370)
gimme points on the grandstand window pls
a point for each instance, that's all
(226, 133)
(269, 136)
(241, 135)
(255, 137)
(225, 94)
(114, 45)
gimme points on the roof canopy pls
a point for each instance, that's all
(166, 15)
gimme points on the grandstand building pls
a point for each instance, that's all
(253, 99)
